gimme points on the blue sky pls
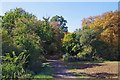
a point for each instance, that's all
(73, 12)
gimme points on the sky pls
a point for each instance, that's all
(73, 12)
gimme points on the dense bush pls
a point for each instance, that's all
(22, 32)
(97, 40)
(86, 54)
(79, 44)
(87, 45)
(13, 66)
(88, 37)
(21, 36)
(70, 44)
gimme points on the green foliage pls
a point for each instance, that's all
(88, 36)
(70, 44)
(11, 16)
(81, 44)
(85, 27)
(24, 34)
(44, 31)
(54, 18)
(48, 37)
(13, 66)
(86, 53)
(46, 72)
(61, 22)
(7, 42)
(22, 37)
(66, 56)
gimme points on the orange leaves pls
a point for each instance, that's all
(110, 35)
(108, 23)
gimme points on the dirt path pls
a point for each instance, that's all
(96, 70)
(60, 69)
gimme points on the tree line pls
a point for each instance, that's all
(27, 41)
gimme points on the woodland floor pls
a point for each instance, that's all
(63, 69)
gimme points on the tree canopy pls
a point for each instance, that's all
(27, 42)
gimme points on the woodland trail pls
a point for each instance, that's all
(63, 69)
(60, 69)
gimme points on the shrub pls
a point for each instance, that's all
(66, 56)
(84, 56)
(69, 58)
(13, 66)
(71, 44)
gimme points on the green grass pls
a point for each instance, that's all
(45, 73)
(42, 76)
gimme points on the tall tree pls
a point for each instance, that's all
(11, 16)
(61, 22)
(108, 24)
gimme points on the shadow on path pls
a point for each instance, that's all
(60, 70)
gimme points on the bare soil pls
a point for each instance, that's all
(97, 70)
(63, 69)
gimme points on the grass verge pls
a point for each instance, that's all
(45, 73)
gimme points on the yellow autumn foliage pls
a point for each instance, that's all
(108, 23)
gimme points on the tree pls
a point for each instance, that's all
(71, 44)
(11, 16)
(22, 37)
(61, 22)
(107, 25)
(87, 38)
